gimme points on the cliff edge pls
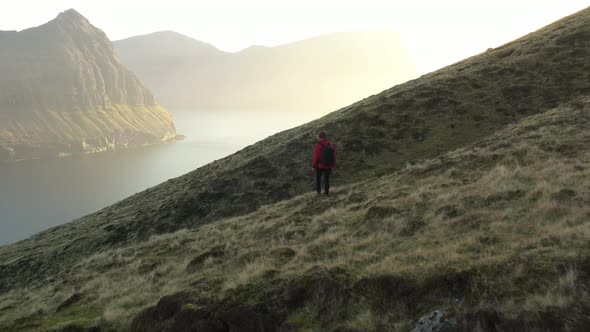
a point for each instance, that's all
(64, 91)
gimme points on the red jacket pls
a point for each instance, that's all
(318, 152)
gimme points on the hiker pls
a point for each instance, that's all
(324, 159)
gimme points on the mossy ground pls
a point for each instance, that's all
(78, 316)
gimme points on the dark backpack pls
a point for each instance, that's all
(327, 155)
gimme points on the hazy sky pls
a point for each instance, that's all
(437, 32)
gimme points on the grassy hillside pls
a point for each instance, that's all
(468, 184)
(502, 225)
(417, 120)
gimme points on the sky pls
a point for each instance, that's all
(437, 33)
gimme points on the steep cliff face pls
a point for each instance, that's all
(64, 91)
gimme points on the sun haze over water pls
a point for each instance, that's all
(437, 33)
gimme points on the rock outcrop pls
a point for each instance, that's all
(64, 91)
(436, 321)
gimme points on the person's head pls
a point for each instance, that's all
(322, 135)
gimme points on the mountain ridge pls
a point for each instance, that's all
(170, 43)
(64, 91)
(317, 74)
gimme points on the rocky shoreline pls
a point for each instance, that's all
(22, 152)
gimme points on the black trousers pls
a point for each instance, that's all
(318, 180)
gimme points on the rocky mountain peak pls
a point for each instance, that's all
(71, 15)
(72, 22)
(68, 66)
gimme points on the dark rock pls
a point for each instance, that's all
(153, 318)
(180, 312)
(147, 321)
(246, 319)
(191, 318)
(169, 305)
(436, 321)
(166, 311)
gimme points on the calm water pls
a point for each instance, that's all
(36, 195)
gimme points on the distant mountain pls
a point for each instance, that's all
(63, 91)
(164, 43)
(318, 74)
